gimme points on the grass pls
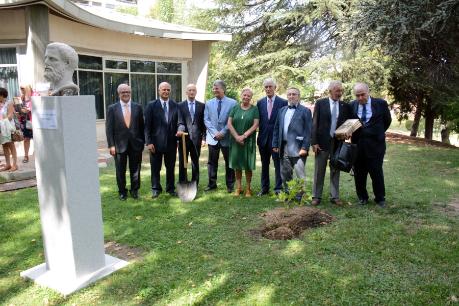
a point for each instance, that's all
(201, 253)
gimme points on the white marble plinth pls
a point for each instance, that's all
(44, 277)
(68, 192)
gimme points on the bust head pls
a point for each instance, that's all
(61, 60)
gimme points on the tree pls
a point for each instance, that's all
(418, 36)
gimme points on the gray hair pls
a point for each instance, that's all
(67, 53)
(363, 86)
(269, 81)
(163, 83)
(334, 84)
(122, 85)
(247, 89)
(221, 84)
(296, 89)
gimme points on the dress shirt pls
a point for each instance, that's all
(123, 107)
(189, 106)
(369, 113)
(331, 107)
(287, 119)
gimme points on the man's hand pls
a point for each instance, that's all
(316, 148)
(303, 153)
(179, 134)
(203, 143)
(112, 151)
(276, 150)
(219, 136)
(151, 148)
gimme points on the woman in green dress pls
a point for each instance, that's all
(242, 123)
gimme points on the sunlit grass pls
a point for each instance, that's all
(203, 253)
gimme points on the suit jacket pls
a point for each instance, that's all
(158, 131)
(321, 122)
(371, 138)
(298, 134)
(266, 127)
(195, 127)
(118, 134)
(215, 123)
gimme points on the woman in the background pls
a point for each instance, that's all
(7, 126)
(242, 123)
(25, 118)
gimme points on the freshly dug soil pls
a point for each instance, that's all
(284, 224)
(400, 138)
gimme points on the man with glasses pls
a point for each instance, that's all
(161, 125)
(268, 108)
(329, 113)
(125, 138)
(292, 137)
(216, 115)
(371, 143)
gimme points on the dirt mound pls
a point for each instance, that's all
(400, 138)
(284, 224)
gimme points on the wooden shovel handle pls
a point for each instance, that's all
(185, 159)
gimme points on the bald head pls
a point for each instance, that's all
(335, 90)
(164, 89)
(191, 91)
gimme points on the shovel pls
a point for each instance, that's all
(186, 190)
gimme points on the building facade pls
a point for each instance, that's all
(113, 48)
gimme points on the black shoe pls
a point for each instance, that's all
(276, 192)
(172, 193)
(123, 197)
(381, 204)
(155, 194)
(363, 201)
(230, 190)
(262, 193)
(208, 188)
(134, 194)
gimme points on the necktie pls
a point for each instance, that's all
(270, 107)
(219, 108)
(127, 115)
(333, 119)
(364, 114)
(192, 111)
(165, 110)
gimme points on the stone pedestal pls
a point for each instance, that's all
(68, 190)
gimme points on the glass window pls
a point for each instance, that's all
(165, 67)
(89, 62)
(8, 56)
(9, 80)
(91, 83)
(112, 64)
(176, 85)
(142, 66)
(143, 88)
(112, 80)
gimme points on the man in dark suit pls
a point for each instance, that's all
(329, 113)
(268, 108)
(125, 138)
(191, 121)
(292, 137)
(371, 142)
(161, 124)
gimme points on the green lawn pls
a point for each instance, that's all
(202, 253)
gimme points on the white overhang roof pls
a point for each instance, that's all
(129, 24)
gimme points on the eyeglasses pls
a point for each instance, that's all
(360, 95)
(125, 92)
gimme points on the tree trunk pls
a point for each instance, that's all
(430, 117)
(417, 119)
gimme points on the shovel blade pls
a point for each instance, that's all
(187, 191)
